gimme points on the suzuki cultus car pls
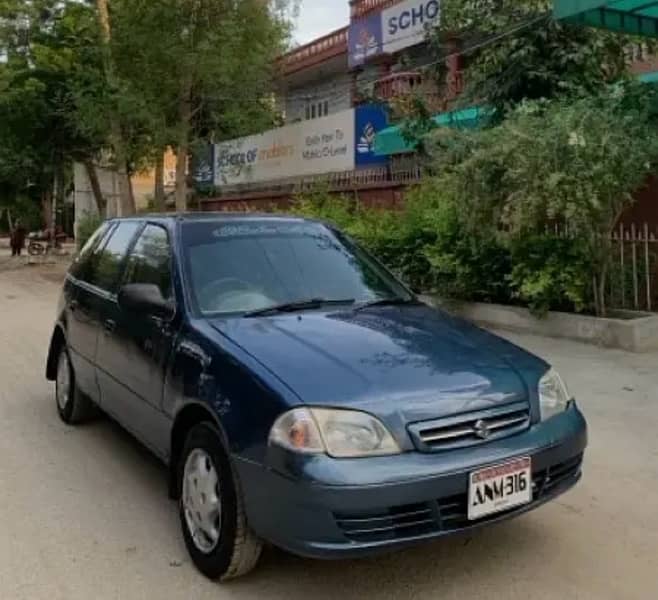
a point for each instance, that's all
(300, 394)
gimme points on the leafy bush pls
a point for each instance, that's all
(551, 273)
(425, 244)
(477, 229)
(573, 162)
(431, 246)
(87, 225)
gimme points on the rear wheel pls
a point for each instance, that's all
(212, 514)
(73, 407)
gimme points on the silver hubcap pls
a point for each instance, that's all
(201, 500)
(63, 381)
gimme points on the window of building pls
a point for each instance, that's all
(317, 110)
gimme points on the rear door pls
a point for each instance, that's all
(133, 350)
(83, 303)
(98, 291)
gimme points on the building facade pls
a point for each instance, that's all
(336, 93)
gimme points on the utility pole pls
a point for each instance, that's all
(126, 204)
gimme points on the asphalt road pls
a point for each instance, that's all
(84, 512)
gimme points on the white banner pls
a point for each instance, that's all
(405, 24)
(307, 148)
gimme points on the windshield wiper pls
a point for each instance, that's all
(289, 307)
(394, 301)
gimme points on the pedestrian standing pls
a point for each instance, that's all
(17, 239)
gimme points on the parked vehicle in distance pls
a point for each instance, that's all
(299, 393)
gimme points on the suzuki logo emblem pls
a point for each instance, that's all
(481, 429)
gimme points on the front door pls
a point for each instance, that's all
(133, 350)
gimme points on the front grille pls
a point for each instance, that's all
(453, 511)
(391, 524)
(471, 428)
(443, 515)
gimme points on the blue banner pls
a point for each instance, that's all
(368, 121)
(203, 166)
(365, 39)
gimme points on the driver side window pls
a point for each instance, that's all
(150, 260)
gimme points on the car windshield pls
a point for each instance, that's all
(249, 266)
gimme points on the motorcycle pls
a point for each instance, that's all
(40, 243)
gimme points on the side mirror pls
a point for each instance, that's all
(145, 299)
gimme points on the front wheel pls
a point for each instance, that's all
(211, 509)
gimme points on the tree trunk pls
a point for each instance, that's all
(595, 291)
(47, 209)
(183, 146)
(59, 187)
(159, 191)
(92, 175)
(131, 191)
(603, 278)
(126, 205)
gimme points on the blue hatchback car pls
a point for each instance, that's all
(299, 393)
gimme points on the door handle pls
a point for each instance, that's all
(109, 325)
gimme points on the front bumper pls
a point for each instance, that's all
(325, 508)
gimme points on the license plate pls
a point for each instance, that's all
(499, 488)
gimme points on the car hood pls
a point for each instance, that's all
(410, 362)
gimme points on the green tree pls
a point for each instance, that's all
(51, 60)
(204, 67)
(574, 163)
(525, 54)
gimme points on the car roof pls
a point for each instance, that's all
(220, 217)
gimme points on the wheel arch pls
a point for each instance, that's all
(188, 417)
(57, 340)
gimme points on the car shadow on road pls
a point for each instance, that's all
(461, 563)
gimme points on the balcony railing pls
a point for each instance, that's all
(398, 84)
(402, 86)
(317, 51)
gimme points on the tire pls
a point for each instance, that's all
(73, 406)
(236, 549)
(35, 249)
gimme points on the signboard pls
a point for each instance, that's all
(341, 142)
(203, 167)
(307, 148)
(369, 121)
(391, 30)
(405, 24)
(365, 39)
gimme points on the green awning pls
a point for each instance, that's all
(635, 17)
(649, 77)
(391, 141)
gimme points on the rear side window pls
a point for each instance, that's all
(150, 260)
(106, 262)
(79, 267)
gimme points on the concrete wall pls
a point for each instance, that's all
(634, 332)
(383, 196)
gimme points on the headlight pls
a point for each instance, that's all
(553, 395)
(339, 433)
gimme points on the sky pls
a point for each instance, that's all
(318, 17)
